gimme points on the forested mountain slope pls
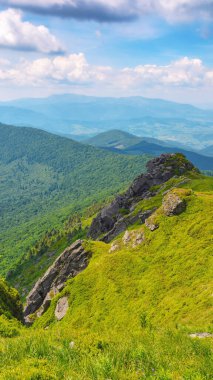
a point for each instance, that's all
(44, 178)
(122, 142)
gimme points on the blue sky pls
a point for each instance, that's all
(151, 48)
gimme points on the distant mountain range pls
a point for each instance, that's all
(208, 151)
(78, 115)
(126, 143)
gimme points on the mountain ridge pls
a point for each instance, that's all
(74, 114)
(125, 143)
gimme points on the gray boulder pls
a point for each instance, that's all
(173, 204)
(61, 308)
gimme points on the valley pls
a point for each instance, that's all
(45, 179)
(80, 115)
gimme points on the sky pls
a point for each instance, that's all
(152, 48)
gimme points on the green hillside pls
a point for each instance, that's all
(119, 139)
(45, 178)
(121, 142)
(201, 161)
(133, 310)
(114, 139)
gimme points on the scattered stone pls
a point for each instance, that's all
(201, 335)
(114, 247)
(134, 238)
(173, 204)
(138, 239)
(151, 224)
(61, 308)
(72, 345)
(126, 238)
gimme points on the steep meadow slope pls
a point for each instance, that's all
(140, 307)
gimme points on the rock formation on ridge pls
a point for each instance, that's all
(110, 222)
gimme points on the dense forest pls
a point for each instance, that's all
(46, 178)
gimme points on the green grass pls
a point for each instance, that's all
(131, 311)
(160, 355)
(166, 273)
(10, 304)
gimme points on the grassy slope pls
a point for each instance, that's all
(131, 311)
(70, 176)
(10, 311)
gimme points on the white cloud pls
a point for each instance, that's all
(18, 34)
(120, 10)
(74, 69)
(181, 10)
(70, 69)
(184, 80)
(183, 72)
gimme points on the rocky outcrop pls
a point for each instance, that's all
(71, 262)
(114, 247)
(112, 220)
(123, 223)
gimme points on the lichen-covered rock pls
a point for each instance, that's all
(151, 223)
(127, 237)
(114, 247)
(71, 262)
(111, 221)
(138, 239)
(133, 238)
(173, 204)
(61, 308)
